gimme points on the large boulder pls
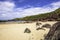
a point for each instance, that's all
(54, 33)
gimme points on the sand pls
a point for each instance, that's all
(16, 31)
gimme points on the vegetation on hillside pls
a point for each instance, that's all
(51, 16)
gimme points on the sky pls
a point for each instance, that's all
(10, 9)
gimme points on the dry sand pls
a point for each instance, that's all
(16, 31)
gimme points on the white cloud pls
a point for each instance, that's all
(44, 9)
(8, 10)
(55, 5)
(34, 11)
(6, 6)
(4, 15)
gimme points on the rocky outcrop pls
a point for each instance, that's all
(54, 33)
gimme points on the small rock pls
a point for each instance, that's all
(27, 30)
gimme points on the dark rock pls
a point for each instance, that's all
(38, 24)
(54, 33)
(40, 28)
(27, 30)
(46, 26)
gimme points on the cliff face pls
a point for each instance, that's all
(54, 33)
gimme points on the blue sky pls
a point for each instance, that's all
(10, 9)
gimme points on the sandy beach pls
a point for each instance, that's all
(16, 31)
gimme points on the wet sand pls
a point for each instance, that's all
(16, 31)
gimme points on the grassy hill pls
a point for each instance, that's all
(51, 16)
